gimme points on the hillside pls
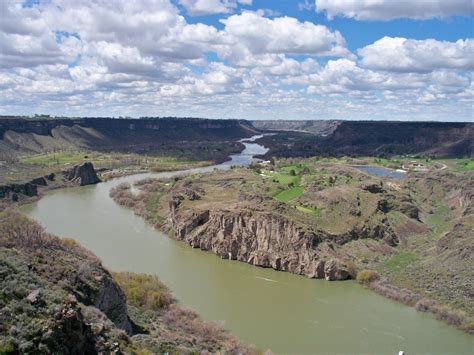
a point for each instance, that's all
(372, 138)
(56, 297)
(30, 148)
(316, 127)
(130, 135)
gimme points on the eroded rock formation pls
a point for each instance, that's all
(82, 174)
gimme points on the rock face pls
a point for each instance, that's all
(260, 239)
(83, 174)
(39, 181)
(104, 294)
(334, 270)
(13, 190)
(373, 188)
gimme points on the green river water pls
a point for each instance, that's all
(273, 310)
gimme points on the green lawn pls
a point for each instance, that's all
(464, 165)
(296, 167)
(289, 194)
(282, 178)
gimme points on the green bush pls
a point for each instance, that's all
(7, 347)
(144, 291)
(367, 276)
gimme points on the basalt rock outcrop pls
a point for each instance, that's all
(269, 241)
(83, 174)
(258, 238)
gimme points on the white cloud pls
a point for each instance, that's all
(391, 9)
(408, 55)
(306, 5)
(250, 34)
(26, 39)
(210, 7)
(143, 57)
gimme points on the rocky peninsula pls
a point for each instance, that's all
(329, 220)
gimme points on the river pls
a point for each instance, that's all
(273, 310)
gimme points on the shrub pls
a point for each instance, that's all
(144, 291)
(69, 243)
(367, 276)
(351, 269)
(8, 347)
(449, 315)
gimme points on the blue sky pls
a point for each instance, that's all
(260, 59)
(361, 33)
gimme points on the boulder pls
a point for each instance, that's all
(334, 270)
(34, 296)
(13, 190)
(39, 181)
(373, 188)
(83, 174)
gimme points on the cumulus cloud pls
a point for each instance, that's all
(26, 39)
(391, 9)
(143, 57)
(210, 7)
(251, 34)
(408, 55)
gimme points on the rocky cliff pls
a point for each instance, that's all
(82, 174)
(372, 138)
(265, 237)
(228, 214)
(108, 134)
(260, 239)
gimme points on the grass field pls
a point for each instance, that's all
(32, 166)
(56, 158)
(461, 165)
(399, 262)
(282, 178)
(289, 194)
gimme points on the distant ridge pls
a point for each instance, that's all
(376, 138)
(37, 135)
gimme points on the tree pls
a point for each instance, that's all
(292, 172)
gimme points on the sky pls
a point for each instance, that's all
(409, 60)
